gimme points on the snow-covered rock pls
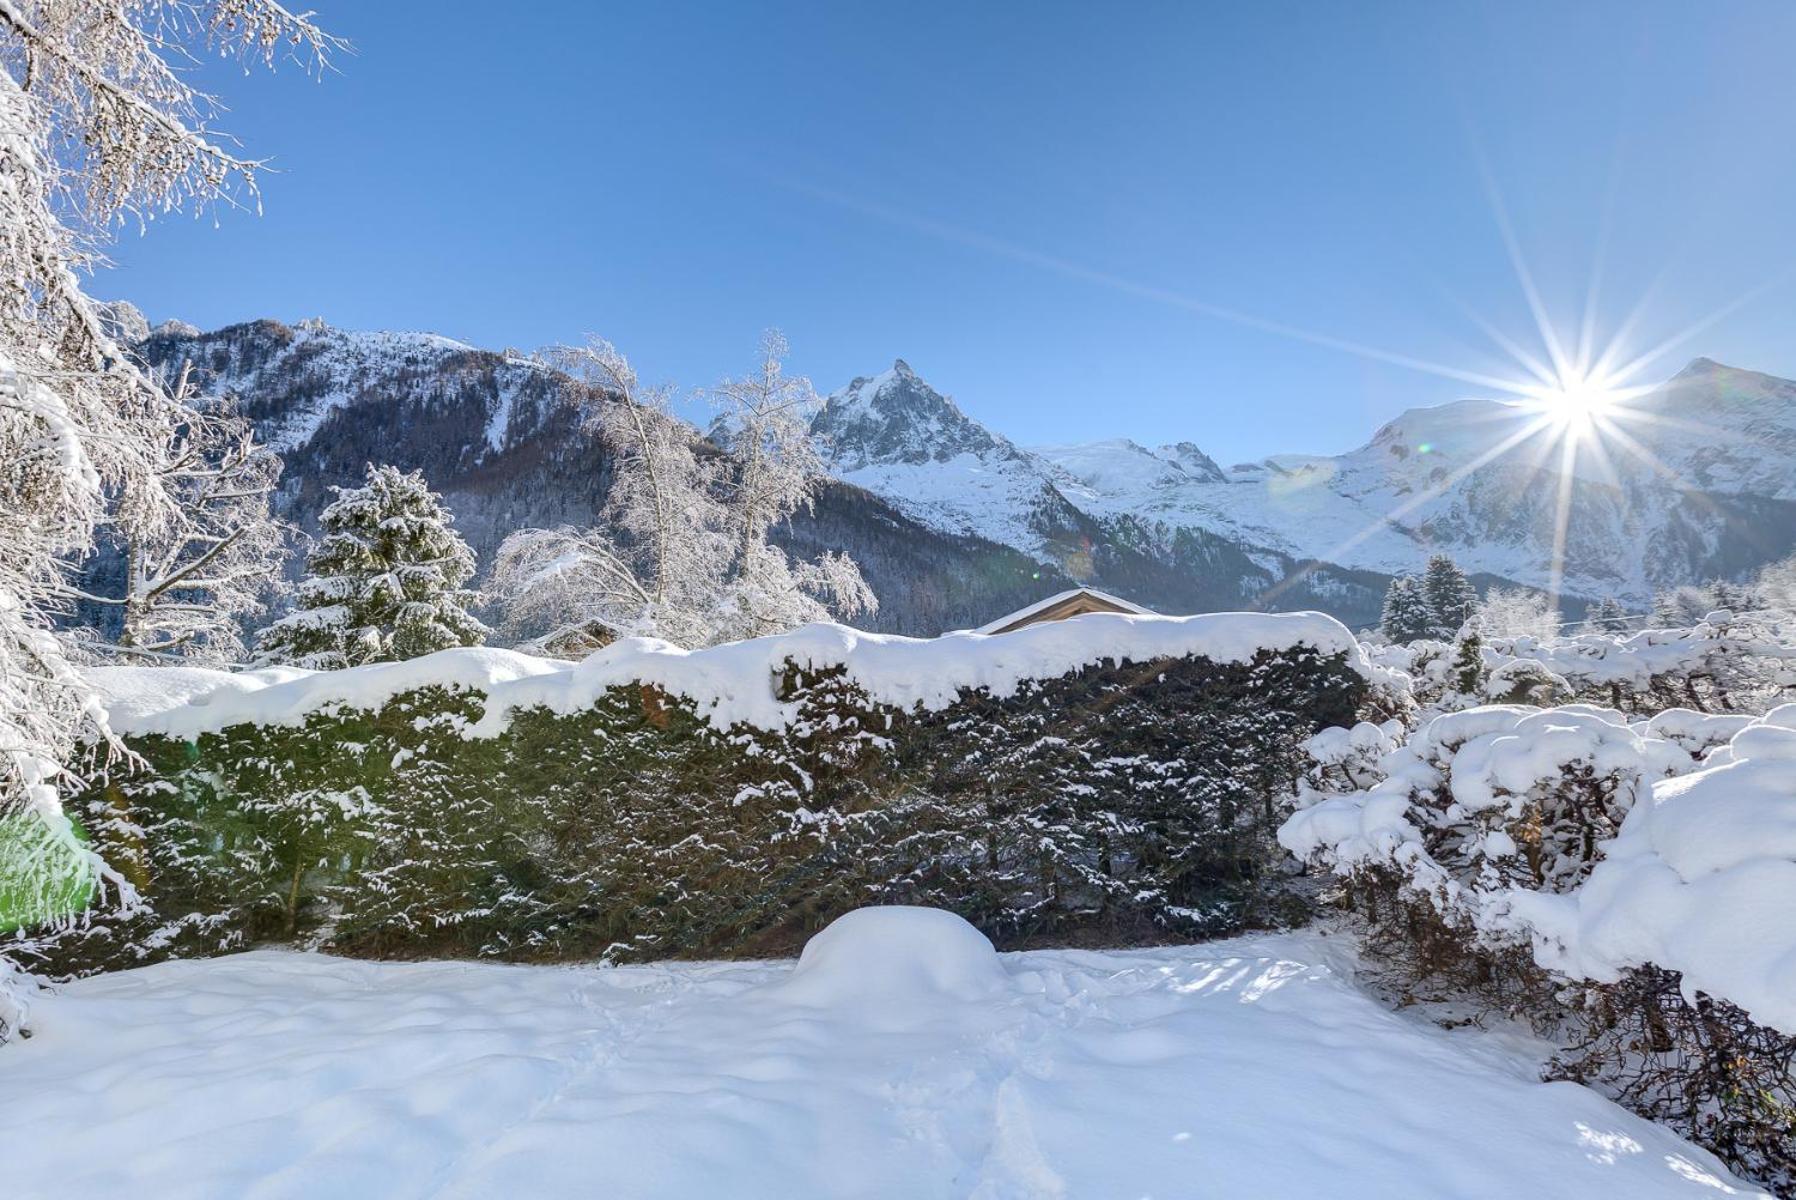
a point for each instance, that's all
(894, 963)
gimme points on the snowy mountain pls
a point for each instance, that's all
(899, 438)
(905, 442)
(956, 524)
(1694, 480)
(493, 432)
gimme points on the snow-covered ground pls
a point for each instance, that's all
(899, 1059)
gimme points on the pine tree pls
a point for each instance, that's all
(384, 583)
(1606, 616)
(1467, 674)
(1406, 617)
(1450, 596)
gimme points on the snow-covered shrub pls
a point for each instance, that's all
(1696, 1063)
(1634, 894)
(1720, 663)
(1697, 733)
(1480, 804)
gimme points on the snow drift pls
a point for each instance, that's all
(894, 963)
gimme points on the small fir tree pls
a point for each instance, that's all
(384, 583)
(1406, 617)
(1451, 598)
(1467, 674)
(1606, 616)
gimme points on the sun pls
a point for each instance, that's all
(1576, 402)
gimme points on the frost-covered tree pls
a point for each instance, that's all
(1680, 607)
(1774, 591)
(774, 470)
(1406, 616)
(1450, 595)
(1517, 612)
(190, 579)
(651, 567)
(97, 124)
(383, 583)
(682, 551)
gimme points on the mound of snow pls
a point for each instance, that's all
(886, 962)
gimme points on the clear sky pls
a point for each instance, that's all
(1043, 207)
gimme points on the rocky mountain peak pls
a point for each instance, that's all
(896, 417)
(1194, 462)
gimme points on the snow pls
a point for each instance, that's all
(185, 702)
(1250, 1067)
(992, 495)
(341, 368)
(894, 964)
(732, 683)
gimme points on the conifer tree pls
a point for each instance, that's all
(384, 583)
(1406, 617)
(1606, 616)
(1467, 674)
(1450, 596)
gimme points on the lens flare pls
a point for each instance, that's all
(1576, 403)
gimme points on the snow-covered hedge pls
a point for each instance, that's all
(1112, 771)
(1701, 880)
(1601, 845)
(1643, 872)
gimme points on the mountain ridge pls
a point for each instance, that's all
(961, 524)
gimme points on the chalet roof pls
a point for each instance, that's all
(1071, 603)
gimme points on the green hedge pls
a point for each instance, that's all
(1122, 801)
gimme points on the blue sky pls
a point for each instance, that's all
(1042, 207)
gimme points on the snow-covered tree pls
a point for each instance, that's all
(383, 583)
(1406, 616)
(682, 552)
(1680, 607)
(651, 566)
(774, 470)
(1774, 591)
(1450, 595)
(1467, 672)
(1517, 612)
(190, 579)
(1606, 616)
(97, 124)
